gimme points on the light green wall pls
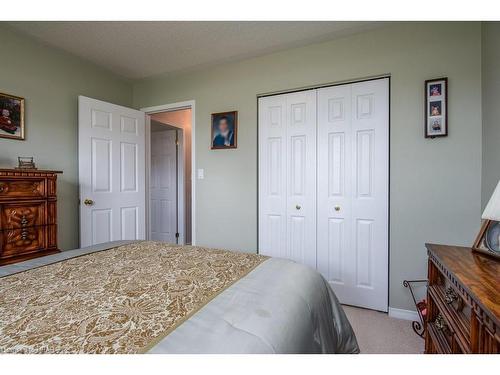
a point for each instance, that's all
(491, 108)
(51, 81)
(435, 184)
(435, 189)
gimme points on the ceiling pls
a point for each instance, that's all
(142, 49)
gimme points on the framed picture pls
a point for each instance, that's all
(11, 116)
(224, 130)
(436, 108)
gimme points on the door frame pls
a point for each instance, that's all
(189, 104)
(331, 84)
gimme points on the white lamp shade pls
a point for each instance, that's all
(492, 210)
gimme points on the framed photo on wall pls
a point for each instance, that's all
(224, 130)
(436, 108)
(11, 116)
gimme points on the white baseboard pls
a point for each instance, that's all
(403, 314)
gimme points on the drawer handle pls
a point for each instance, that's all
(450, 295)
(440, 323)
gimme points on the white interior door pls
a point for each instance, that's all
(111, 157)
(163, 185)
(287, 176)
(335, 186)
(353, 171)
(273, 176)
(301, 177)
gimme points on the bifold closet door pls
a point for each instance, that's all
(287, 176)
(353, 171)
(272, 176)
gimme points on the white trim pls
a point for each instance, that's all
(180, 187)
(403, 314)
(147, 134)
(167, 108)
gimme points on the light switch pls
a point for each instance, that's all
(201, 174)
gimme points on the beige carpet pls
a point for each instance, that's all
(377, 333)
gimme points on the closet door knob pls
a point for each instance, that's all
(298, 207)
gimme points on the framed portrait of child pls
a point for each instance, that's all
(11, 116)
(436, 108)
(224, 130)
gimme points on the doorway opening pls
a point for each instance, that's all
(169, 191)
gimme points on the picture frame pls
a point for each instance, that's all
(436, 107)
(224, 134)
(11, 117)
(482, 245)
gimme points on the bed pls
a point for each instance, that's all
(145, 296)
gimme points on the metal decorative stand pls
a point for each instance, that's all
(418, 327)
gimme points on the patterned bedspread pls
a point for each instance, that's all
(122, 300)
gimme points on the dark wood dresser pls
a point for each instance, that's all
(463, 301)
(28, 214)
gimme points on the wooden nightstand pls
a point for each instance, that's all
(463, 313)
(28, 214)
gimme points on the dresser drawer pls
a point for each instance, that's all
(18, 215)
(22, 241)
(452, 305)
(442, 330)
(22, 188)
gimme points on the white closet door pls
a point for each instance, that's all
(301, 177)
(353, 191)
(287, 176)
(335, 187)
(163, 186)
(272, 176)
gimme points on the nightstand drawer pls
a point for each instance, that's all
(442, 330)
(18, 215)
(17, 242)
(22, 188)
(455, 310)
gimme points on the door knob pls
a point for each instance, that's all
(337, 208)
(88, 202)
(298, 207)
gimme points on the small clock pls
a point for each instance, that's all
(488, 239)
(492, 237)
